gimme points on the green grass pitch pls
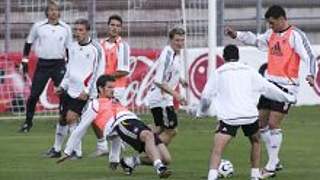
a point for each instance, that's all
(21, 154)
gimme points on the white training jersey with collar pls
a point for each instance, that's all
(86, 63)
(168, 72)
(51, 41)
(234, 88)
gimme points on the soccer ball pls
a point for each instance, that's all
(225, 169)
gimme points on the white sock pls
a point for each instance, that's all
(102, 144)
(265, 136)
(255, 172)
(157, 164)
(213, 174)
(275, 144)
(77, 148)
(61, 132)
(115, 149)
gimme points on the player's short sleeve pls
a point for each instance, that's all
(163, 63)
(68, 41)
(33, 34)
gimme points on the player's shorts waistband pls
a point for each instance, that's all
(47, 60)
(281, 87)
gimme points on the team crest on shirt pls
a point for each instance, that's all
(88, 56)
(61, 38)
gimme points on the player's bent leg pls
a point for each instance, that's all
(164, 153)
(167, 135)
(153, 152)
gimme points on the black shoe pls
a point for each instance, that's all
(126, 168)
(25, 128)
(279, 166)
(164, 172)
(52, 153)
(74, 156)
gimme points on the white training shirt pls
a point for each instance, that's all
(51, 41)
(87, 117)
(167, 71)
(86, 63)
(298, 41)
(234, 88)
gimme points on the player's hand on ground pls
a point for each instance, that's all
(83, 96)
(310, 80)
(230, 32)
(113, 166)
(63, 158)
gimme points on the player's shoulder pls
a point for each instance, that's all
(64, 24)
(167, 52)
(298, 32)
(40, 23)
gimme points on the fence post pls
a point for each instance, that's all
(92, 16)
(220, 22)
(7, 27)
(258, 16)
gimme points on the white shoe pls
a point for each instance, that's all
(100, 152)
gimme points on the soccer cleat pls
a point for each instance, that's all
(99, 153)
(279, 166)
(264, 174)
(163, 172)
(74, 156)
(254, 178)
(126, 167)
(25, 128)
(52, 153)
(113, 166)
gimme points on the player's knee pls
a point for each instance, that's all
(273, 125)
(71, 118)
(146, 135)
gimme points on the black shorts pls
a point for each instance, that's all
(269, 104)
(129, 130)
(165, 117)
(69, 103)
(248, 129)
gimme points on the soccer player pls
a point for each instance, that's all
(287, 46)
(234, 89)
(117, 52)
(52, 38)
(86, 63)
(108, 114)
(161, 94)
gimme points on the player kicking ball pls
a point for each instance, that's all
(117, 122)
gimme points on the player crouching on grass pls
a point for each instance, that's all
(114, 119)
